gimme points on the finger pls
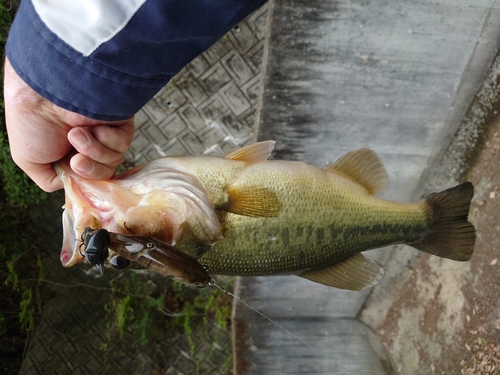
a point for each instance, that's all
(85, 143)
(47, 179)
(88, 168)
(43, 175)
(116, 138)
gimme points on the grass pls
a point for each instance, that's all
(21, 265)
(148, 314)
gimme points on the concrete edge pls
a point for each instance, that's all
(466, 124)
(265, 54)
(449, 169)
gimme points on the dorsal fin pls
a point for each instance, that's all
(364, 167)
(260, 151)
(355, 273)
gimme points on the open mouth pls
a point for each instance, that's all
(70, 241)
(72, 237)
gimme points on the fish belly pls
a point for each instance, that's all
(324, 219)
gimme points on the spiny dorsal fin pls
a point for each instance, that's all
(355, 273)
(260, 151)
(252, 201)
(364, 167)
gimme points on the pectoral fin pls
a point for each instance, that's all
(256, 152)
(364, 167)
(355, 273)
(252, 201)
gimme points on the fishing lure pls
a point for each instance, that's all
(148, 252)
(95, 244)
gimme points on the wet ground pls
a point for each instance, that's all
(443, 317)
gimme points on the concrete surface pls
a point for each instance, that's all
(438, 316)
(395, 76)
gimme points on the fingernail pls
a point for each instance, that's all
(84, 166)
(79, 139)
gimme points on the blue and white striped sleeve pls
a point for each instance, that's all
(105, 59)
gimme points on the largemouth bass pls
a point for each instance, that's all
(241, 214)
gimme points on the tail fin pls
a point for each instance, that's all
(451, 235)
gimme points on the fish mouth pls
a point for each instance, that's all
(71, 251)
(70, 240)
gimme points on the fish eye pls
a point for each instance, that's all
(118, 262)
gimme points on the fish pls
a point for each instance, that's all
(243, 214)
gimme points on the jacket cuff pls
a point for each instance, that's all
(68, 79)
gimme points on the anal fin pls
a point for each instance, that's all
(355, 273)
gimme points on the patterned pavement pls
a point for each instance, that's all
(209, 108)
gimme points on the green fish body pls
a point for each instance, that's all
(242, 214)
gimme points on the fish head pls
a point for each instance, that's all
(89, 204)
(152, 200)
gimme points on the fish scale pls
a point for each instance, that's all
(241, 214)
(304, 246)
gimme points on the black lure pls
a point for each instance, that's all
(95, 244)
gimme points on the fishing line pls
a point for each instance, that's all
(214, 283)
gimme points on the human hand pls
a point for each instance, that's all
(41, 133)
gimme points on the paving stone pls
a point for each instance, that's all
(251, 90)
(139, 144)
(172, 126)
(154, 133)
(257, 22)
(175, 148)
(152, 152)
(193, 90)
(40, 354)
(235, 99)
(155, 110)
(140, 118)
(214, 108)
(249, 119)
(215, 78)
(242, 37)
(198, 66)
(212, 135)
(185, 365)
(218, 50)
(171, 99)
(254, 57)
(192, 117)
(202, 351)
(236, 66)
(192, 143)
(227, 146)
(237, 129)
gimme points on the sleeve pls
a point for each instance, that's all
(105, 59)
